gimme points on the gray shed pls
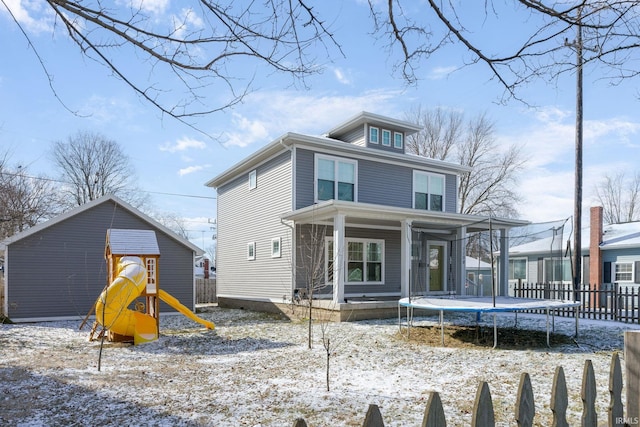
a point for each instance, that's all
(56, 270)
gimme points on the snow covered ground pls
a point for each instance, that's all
(256, 370)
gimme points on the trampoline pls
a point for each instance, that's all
(479, 305)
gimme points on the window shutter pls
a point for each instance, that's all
(541, 270)
(636, 273)
(606, 272)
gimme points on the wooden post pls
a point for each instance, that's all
(632, 371)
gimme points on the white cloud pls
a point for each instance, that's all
(191, 169)
(439, 73)
(182, 144)
(34, 16)
(341, 76)
(275, 113)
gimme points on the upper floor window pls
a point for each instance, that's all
(624, 272)
(251, 251)
(335, 178)
(373, 135)
(253, 180)
(398, 140)
(386, 137)
(428, 191)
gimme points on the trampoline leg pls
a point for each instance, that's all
(548, 328)
(495, 332)
(577, 308)
(442, 326)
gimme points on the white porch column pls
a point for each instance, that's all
(460, 260)
(503, 269)
(338, 258)
(405, 257)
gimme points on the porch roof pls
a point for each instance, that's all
(368, 214)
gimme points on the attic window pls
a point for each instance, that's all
(398, 140)
(374, 137)
(386, 138)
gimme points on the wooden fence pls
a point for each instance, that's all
(206, 291)
(610, 301)
(524, 411)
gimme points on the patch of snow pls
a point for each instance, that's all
(256, 370)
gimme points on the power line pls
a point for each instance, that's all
(40, 178)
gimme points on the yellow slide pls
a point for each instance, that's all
(173, 302)
(112, 310)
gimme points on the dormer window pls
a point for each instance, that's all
(386, 138)
(374, 136)
(398, 140)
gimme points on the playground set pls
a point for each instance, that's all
(132, 258)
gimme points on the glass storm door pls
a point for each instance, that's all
(436, 267)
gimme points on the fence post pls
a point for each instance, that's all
(559, 399)
(632, 371)
(615, 410)
(434, 413)
(588, 394)
(525, 406)
(373, 417)
(483, 408)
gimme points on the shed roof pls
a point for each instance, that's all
(132, 242)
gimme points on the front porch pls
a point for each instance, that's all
(368, 256)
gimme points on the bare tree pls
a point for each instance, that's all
(310, 265)
(192, 46)
(26, 200)
(93, 166)
(173, 222)
(489, 189)
(484, 31)
(619, 197)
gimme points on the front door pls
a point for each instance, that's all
(436, 267)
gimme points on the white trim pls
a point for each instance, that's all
(401, 140)
(428, 175)
(251, 251)
(371, 141)
(345, 263)
(253, 179)
(615, 273)
(388, 132)
(336, 160)
(278, 253)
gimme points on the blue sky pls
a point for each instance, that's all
(170, 157)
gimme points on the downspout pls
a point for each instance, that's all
(292, 227)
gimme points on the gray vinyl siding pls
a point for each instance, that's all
(246, 216)
(391, 259)
(354, 136)
(60, 271)
(378, 183)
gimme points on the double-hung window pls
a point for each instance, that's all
(335, 178)
(364, 261)
(624, 272)
(428, 191)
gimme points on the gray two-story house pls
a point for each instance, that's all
(349, 216)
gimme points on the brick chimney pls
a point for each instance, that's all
(595, 238)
